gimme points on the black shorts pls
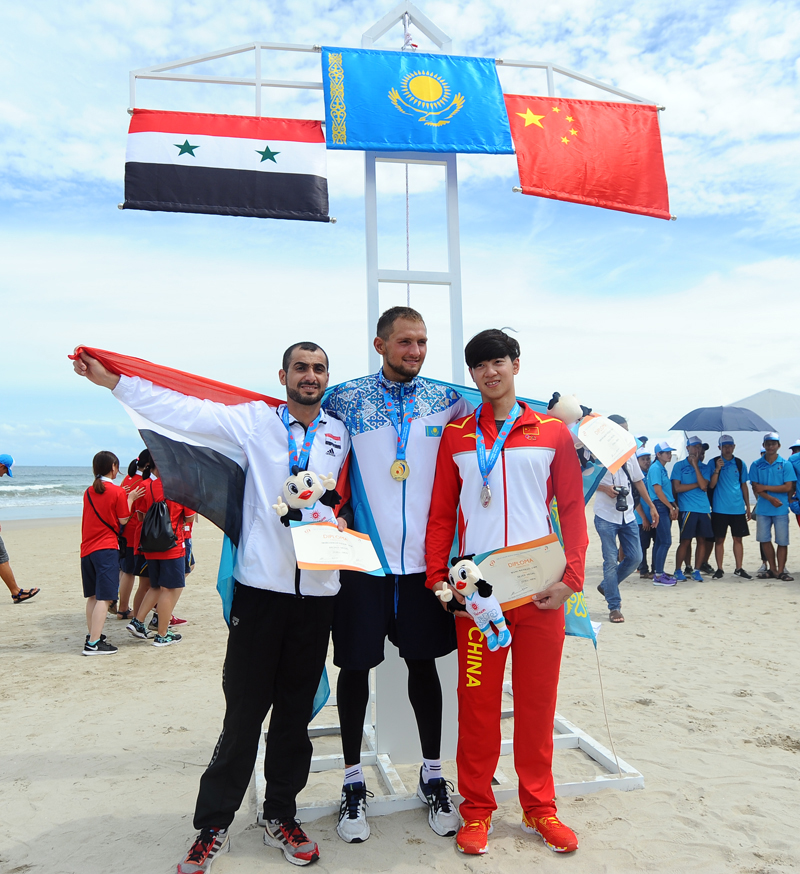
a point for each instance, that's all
(167, 573)
(691, 525)
(737, 522)
(368, 609)
(127, 564)
(100, 574)
(141, 568)
(647, 537)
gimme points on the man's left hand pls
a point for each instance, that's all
(341, 524)
(553, 596)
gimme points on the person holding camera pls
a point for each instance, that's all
(615, 522)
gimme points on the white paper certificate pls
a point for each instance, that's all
(517, 573)
(320, 546)
(609, 442)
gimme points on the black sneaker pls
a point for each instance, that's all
(209, 844)
(689, 570)
(102, 647)
(353, 826)
(102, 637)
(443, 818)
(741, 572)
(153, 622)
(286, 835)
(705, 568)
(718, 574)
(168, 639)
(137, 629)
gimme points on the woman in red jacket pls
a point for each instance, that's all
(106, 508)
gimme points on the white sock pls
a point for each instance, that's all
(431, 769)
(354, 775)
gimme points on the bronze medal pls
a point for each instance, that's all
(399, 470)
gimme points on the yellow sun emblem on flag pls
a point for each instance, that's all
(428, 95)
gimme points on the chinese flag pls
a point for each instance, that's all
(590, 151)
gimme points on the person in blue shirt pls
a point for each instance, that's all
(660, 491)
(647, 531)
(794, 496)
(772, 479)
(730, 505)
(689, 483)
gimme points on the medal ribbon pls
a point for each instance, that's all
(408, 403)
(295, 457)
(486, 466)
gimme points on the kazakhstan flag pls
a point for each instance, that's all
(406, 101)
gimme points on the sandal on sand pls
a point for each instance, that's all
(785, 577)
(124, 614)
(615, 616)
(767, 575)
(112, 607)
(24, 595)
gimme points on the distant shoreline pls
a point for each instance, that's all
(40, 522)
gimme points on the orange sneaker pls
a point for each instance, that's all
(556, 836)
(473, 836)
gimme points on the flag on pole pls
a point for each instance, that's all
(226, 165)
(590, 151)
(413, 101)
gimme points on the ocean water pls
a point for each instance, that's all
(44, 492)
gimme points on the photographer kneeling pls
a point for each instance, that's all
(615, 521)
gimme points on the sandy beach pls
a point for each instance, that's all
(101, 757)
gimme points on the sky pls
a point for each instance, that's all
(637, 316)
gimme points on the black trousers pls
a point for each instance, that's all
(276, 652)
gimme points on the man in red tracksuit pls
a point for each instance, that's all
(496, 473)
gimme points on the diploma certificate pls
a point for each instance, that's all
(320, 546)
(517, 573)
(609, 442)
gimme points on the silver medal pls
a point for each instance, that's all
(486, 497)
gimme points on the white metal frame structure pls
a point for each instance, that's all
(618, 773)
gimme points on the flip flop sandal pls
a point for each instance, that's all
(124, 614)
(616, 616)
(112, 607)
(24, 595)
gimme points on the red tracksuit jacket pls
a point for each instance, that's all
(537, 463)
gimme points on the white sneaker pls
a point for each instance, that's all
(353, 826)
(443, 818)
(763, 568)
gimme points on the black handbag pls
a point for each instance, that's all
(122, 544)
(158, 534)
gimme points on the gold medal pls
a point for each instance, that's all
(399, 470)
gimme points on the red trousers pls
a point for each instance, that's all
(537, 638)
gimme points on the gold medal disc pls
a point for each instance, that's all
(399, 470)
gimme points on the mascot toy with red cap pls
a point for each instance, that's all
(302, 490)
(482, 606)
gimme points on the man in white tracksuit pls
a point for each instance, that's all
(280, 616)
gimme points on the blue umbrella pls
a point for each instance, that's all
(722, 419)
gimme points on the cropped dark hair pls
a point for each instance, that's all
(143, 463)
(102, 464)
(490, 344)
(620, 420)
(387, 320)
(306, 346)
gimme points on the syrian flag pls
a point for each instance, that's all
(206, 474)
(226, 165)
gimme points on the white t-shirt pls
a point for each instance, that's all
(605, 506)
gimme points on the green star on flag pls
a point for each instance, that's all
(186, 148)
(267, 155)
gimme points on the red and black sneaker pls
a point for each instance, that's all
(286, 835)
(206, 847)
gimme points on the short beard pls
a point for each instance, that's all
(305, 400)
(404, 369)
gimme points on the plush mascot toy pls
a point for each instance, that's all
(482, 605)
(567, 408)
(302, 490)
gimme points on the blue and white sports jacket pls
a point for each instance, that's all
(394, 514)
